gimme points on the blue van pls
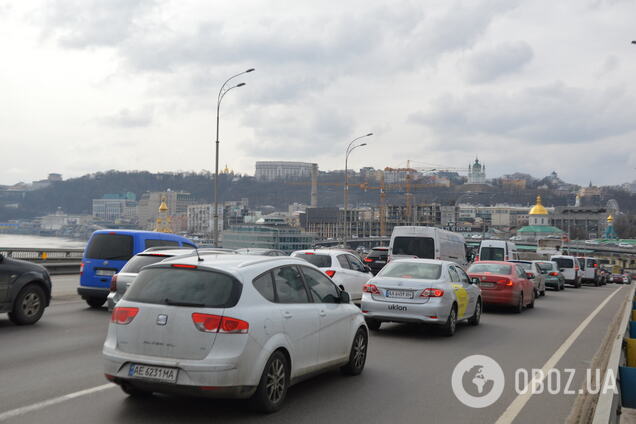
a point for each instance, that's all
(107, 251)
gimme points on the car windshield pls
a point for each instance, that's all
(185, 287)
(321, 261)
(564, 262)
(420, 271)
(491, 254)
(137, 262)
(490, 268)
(422, 247)
(110, 247)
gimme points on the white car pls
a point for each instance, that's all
(342, 267)
(236, 326)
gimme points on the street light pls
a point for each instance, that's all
(346, 183)
(222, 92)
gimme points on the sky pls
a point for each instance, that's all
(527, 86)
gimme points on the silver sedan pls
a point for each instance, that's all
(422, 291)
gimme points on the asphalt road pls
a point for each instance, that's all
(407, 378)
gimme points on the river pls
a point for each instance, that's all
(20, 240)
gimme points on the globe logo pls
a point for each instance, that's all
(478, 381)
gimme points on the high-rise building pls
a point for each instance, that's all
(115, 207)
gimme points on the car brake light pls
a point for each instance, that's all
(367, 260)
(595, 265)
(371, 288)
(530, 274)
(113, 283)
(123, 315)
(309, 253)
(554, 274)
(216, 324)
(183, 266)
(432, 293)
(81, 268)
(330, 273)
(505, 281)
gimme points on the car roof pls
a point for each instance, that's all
(496, 262)
(323, 251)
(230, 262)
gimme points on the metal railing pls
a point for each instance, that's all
(57, 261)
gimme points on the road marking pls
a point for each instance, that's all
(520, 401)
(40, 405)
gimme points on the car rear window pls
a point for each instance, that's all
(156, 243)
(545, 267)
(412, 270)
(564, 262)
(491, 254)
(422, 247)
(139, 261)
(185, 287)
(321, 261)
(110, 246)
(525, 265)
(492, 268)
(378, 253)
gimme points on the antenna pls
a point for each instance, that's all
(197, 252)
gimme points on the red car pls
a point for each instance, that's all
(503, 283)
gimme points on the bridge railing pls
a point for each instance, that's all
(57, 261)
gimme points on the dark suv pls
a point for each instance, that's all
(376, 259)
(25, 290)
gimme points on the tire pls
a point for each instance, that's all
(474, 320)
(531, 304)
(448, 329)
(519, 307)
(358, 354)
(577, 284)
(28, 305)
(95, 302)
(272, 388)
(134, 392)
(373, 324)
(543, 292)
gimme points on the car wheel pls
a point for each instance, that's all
(358, 355)
(28, 306)
(474, 320)
(448, 329)
(519, 307)
(543, 292)
(134, 392)
(272, 388)
(95, 302)
(373, 324)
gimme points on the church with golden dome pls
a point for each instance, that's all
(539, 224)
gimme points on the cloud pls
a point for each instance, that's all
(127, 118)
(487, 65)
(551, 113)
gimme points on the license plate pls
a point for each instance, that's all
(380, 262)
(167, 375)
(105, 272)
(487, 284)
(400, 294)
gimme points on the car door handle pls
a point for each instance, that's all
(287, 314)
(323, 314)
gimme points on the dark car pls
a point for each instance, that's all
(376, 259)
(25, 290)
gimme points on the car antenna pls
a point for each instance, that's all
(197, 252)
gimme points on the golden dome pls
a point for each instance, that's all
(538, 209)
(610, 219)
(163, 207)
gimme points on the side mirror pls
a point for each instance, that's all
(344, 297)
(474, 280)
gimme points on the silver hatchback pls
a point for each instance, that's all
(231, 326)
(422, 291)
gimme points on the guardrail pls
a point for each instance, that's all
(56, 261)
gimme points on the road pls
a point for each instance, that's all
(407, 378)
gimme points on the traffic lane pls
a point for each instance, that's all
(407, 377)
(64, 285)
(58, 355)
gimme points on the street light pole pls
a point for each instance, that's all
(346, 184)
(222, 92)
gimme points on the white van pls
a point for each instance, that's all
(497, 250)
(427, 243)
(589, 271)
(570, 268)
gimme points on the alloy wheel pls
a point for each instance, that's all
(276, 381)
(359, 350)
(31, 304)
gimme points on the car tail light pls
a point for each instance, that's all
(216, 324)
(530, 274)
(476, 258)
(330, 273)
(124, 315)
(505, 281)
(595, 265)
(113, 283)
(554, 274)
(371, 288)
(309, 253)
(81, 268)
(184, 266)
(432, 293)
(367, 260)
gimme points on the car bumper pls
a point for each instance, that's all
(499, 297)
(219, 379)
(88, 292)
(432, 312)
(553, 282)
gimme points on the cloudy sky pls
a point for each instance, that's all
(529, 86)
